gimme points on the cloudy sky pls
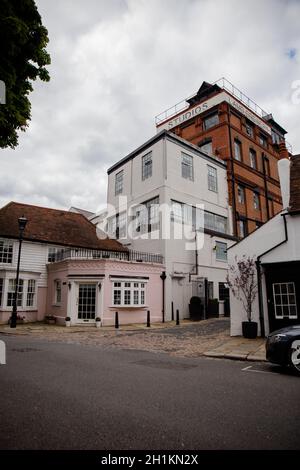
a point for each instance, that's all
(118, 63)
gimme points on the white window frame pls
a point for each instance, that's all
(31, 293)
(281, 297)
(187, 166)
(237, 145)
(53, 254)
(6, 251)
(119, 182)
(221, 248)
(212, 178)
(147, 166)
(57, 299)
(11, 292)
(127, 288)
(146, 216)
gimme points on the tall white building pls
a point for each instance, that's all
(168, 184)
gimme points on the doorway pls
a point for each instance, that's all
(87, 300)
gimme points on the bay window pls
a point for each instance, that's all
(11, 292)
(30, 293)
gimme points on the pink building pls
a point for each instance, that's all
(85, 289)
(67, 271)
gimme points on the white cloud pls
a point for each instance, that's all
(116, 64)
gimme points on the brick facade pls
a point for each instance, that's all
(230, 126)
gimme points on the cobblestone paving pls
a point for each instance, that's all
(184, 340)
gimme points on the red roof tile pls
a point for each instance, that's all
(53, 226)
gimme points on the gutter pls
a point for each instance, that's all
(259, 273)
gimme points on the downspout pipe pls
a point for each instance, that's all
(163, 278)
(265, 185)
(196, 254)
(259, 284)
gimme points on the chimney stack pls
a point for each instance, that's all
(284, 178)
(283, 152)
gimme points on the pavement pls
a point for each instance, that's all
(80, 396)
(210, 338)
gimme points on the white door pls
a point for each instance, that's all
(87, 302)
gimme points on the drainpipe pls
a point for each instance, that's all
(235, 231)
(163, 278)
(265, 185)
(196, 253)
(259, 285)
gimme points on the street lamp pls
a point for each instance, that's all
(22, 221)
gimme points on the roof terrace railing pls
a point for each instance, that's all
(87, 254)
(225, 85)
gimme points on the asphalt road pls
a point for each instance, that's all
(71, 396)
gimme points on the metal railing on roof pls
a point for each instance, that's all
(225, 85)
(87, 254)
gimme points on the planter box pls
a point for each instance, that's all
(249, 329)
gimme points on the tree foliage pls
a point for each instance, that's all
(242, 281)
(23, 57)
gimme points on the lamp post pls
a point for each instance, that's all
(22, 221)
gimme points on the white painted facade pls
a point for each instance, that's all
(168, 184)
(33, 266)
(254, 245)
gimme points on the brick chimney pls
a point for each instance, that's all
(283, 152)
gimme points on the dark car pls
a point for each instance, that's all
(283, 347)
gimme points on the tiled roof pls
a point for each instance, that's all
(53, 226)
(295, 184)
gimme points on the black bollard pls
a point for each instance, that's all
(148, 318)
(116, 320)
(177, 317)
(172, 307)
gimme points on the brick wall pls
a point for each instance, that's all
(231, 126)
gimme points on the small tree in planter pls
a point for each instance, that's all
(242, 281)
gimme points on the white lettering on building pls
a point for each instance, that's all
(200, 108)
